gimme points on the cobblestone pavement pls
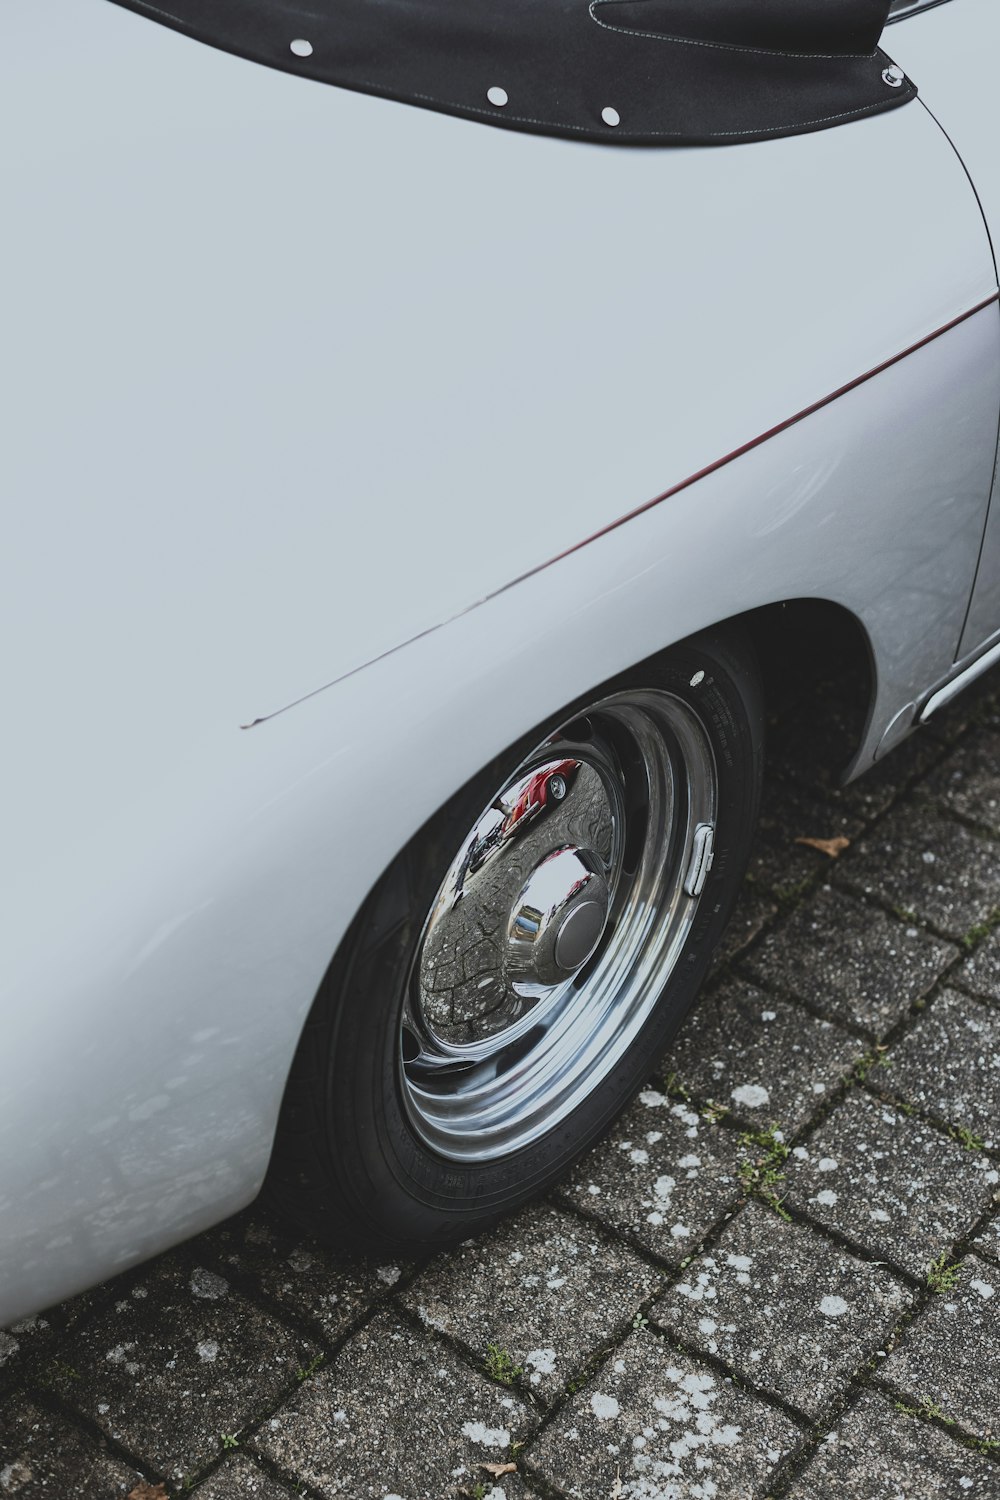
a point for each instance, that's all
(779, 1276)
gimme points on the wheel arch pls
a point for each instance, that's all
(802, 645)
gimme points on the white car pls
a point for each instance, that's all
(371, 470)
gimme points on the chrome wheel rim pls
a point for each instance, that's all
(557, 925)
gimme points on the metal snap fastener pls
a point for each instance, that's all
(611, 116)
(301, 47)
(497, 96)
(894, 77)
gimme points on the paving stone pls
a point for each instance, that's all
(784, 872)
(784, 1308)
(238, 1478)
(950, 1354)
(663, 1425)
(754, 909)
(664, 1174)
(546, 1289)
(767, 1061)
(899, 1188)
(877, 1453)
(327, 1290)
(922, 862)
(969, 780)
(883, 783)
(988, 1243)
(496, 1487)
(30, 1334)
(181, 1360)
(44, 1457)
(505, 1487)
(27, 1344)
(981, 972)
(874, 792)
(395, 1414)
(788, 812)
(850, 961)
(949, 1065)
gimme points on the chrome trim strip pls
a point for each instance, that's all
(957, 684)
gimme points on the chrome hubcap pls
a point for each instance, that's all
(557, 925)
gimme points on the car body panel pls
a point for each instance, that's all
(300, 380)
(959, 50)
(954, 49)
(171, 1059)
(984, 611)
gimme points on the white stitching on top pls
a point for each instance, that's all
(824, 120)
(687, 41)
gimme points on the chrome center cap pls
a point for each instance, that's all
(557, 921)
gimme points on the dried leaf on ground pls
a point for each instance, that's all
(146, 1491)
(833, 847)
(498, 1469)
(617, 1492)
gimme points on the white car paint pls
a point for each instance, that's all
(957, 45)
(295, 378)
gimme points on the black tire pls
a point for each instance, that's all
(348, 1164)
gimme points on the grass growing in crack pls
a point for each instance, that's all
(942, 1277)
(58, 1370)
(762, 1171)
(229, 1439)
(925, 1409)
(640, 1321)
(966, 1137)
(305, 1371)
(710, 1111)
(588, 1371)
(981, 930)
(500, 1365)
(787, 895)
(931, 1410)
(675, 1089)
(876, 1059)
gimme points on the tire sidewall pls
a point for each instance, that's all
(395, 1184)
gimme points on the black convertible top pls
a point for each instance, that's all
(652, 72)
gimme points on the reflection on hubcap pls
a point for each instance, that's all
(557, 925)
(557, 920)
